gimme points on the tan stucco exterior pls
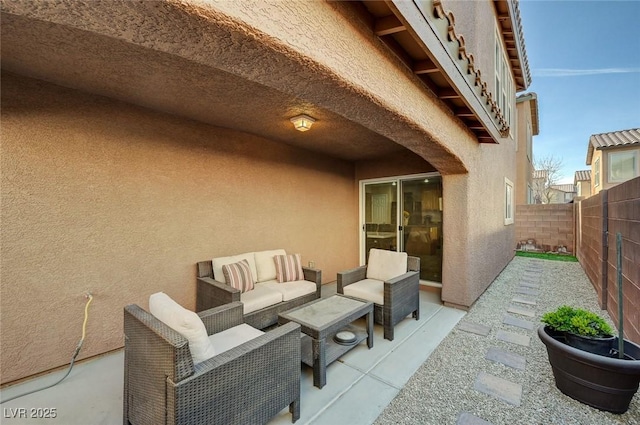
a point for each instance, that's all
(100, 195)
(524, 156)
(600, 159)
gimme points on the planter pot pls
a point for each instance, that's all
(601, 346)
(604, 382)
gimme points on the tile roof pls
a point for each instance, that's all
(613, 139)
(533, 97)
(539, 174)
(582, 175)
(564, 187)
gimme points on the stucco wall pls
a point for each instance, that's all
(476, 22)
(524, 164)
(604, 166)
(99, 191)
(114, 199)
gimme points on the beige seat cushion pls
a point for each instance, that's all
(385, 265)
(367, 289)
(232, 337)
(259, 297)
(293, 289)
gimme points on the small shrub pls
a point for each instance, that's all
(577, 321)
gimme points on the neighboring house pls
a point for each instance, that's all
(582, 182)
(540, 195)
(528, 126)
(614, 158)
(562, 193)
(139, 138)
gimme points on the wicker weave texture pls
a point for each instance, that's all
(401, 295)
(248, 384)
(211, 293)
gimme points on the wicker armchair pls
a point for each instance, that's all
(394, 298)
(248, 384)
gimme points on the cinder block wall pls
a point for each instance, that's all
(589, 246)
(616, 210)
(624, 217)
(550, 225)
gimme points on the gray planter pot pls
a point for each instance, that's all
(601, 346)
(603, 382)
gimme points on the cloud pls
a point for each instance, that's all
(558, 72)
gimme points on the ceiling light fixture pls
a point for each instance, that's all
(302, 122)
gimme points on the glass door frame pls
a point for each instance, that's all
(361, 210)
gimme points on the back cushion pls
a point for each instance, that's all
(288, 268)
(217, 264)
(265, 265)
(238, 275)
(185, 322)
(384, 265)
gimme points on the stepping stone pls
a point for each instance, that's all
(466, 418)
(529, 285)
(528, 291)
(513, 338)
(514, 321)
(474, 328)
(522, 311)
(524, 301)
(530, 279)
(499, 388)
(506, 358)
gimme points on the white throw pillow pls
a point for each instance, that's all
(385, 265)
(184, 321)
(265, 265)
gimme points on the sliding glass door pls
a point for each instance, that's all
(422, 227)
(405, 214)
(380, 216)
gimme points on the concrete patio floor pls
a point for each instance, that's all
(359, 385)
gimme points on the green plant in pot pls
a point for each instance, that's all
(589, 370)
(582, 329)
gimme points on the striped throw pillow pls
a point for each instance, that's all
(238, 275)
(288, 268)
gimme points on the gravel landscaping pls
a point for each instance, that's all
(443, 387)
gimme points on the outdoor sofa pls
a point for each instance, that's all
(171, 377)
(267, 298)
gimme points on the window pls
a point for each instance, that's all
(508, 201)
(622, 166)
(505, 90)
(596, 172)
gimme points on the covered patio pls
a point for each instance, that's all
(442, 369)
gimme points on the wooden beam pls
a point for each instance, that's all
(463, 113)
(425, 67)
(448, 93)
(388, 25)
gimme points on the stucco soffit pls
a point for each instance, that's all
(434, 28)
(200, 33)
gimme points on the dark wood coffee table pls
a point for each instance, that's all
(320, 320)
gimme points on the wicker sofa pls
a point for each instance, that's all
(262, 304)
(247, 384)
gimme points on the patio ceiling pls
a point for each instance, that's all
(106, 66)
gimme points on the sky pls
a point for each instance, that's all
(584, 58)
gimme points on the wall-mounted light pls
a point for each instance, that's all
(302, 122)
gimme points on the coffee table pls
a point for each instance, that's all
(320, 320)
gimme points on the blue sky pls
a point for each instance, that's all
(584, 58)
